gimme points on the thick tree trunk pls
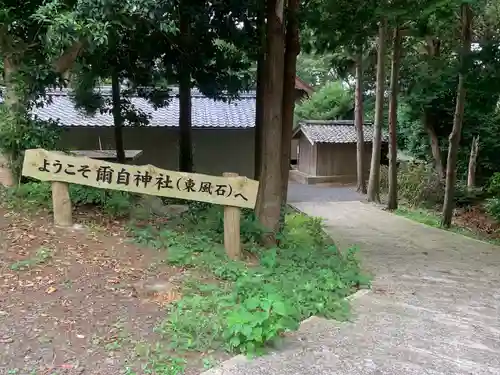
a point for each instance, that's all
(292, 49)
(374, 180)
(454, 139)
(269, 202)
(259, 103)
(471, 175)
(117, 116)
(358, 122)
(392, 201)
(436, 151)
(185, 134)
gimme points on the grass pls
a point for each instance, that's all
(433, 219)
(246, 306)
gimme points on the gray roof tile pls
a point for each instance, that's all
(338, 131)
(206, 112)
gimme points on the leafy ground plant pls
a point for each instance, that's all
(245, 306)
(43, 255)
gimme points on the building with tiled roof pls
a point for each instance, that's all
(223, 130)
(327, 150)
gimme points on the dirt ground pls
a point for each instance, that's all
(77, 301)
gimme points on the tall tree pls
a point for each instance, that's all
(184, 71)
(451, 165)
(260, 92)
(392, 202)
(117, 116)
(358, 123)
(292, 49)
(269, 202)
(374, 180)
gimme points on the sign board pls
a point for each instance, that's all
(146, 179)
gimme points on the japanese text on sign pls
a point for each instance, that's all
(147, 179)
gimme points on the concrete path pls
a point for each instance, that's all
(321, 193)
(434, 307)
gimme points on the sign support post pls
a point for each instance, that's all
(61, 204)
(232, 214)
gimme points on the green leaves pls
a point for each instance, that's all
(258, 321)
(332, 101)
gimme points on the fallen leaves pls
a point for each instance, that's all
(79, 292)
(50, 290)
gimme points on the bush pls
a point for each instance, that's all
(465, 197)
(420, 185)
(494, 185)
(493, 208)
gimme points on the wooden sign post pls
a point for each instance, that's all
(232, 242)
(230, 190)
(61, 204)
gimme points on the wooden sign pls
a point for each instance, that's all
(146, 179)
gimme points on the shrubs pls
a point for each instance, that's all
(420, 185)
(493, 204)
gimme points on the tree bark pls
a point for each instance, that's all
(471, 175)
(117, 116)
(358, 122)
(392, 201)
(436, 151)
(12, 103)
(454, 139)
(292, 49)
(67, 59)
(185, 136)
(374, 180)
(433, 48)
(269, 202)
(259, 103)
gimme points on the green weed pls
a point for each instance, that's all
(242, 307)
(43, 255)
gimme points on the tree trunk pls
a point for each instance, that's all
(269, 202)
(436, 151)
(259, 102)
(66, 61)
(117, 116)
(12, 102)
(392, 201)
(374, 181)
(185, 136)
(358, 121)
(471, 175)
(292, 49)
(454, 139)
